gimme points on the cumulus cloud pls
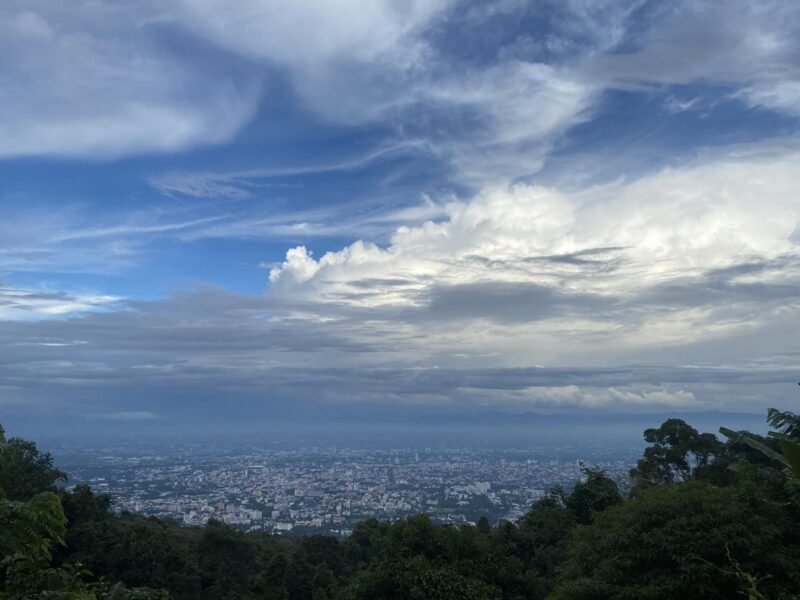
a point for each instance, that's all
(685, 257)
(609, 240)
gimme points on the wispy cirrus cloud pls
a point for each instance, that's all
(24, 304)
(74, 239)
(94, 80)
(244, 183)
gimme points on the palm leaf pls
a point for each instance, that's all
(791, 450)
(117, 592)
(735, 436)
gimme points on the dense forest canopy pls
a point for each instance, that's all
(703, 518)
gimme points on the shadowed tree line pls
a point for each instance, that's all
(704, 518)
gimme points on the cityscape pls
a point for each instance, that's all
(327, 490)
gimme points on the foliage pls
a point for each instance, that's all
(34, 520)
(787, 437)
(25, 471)
(677, 453)
(27, 528)
(594, 495)
(667, 542)
(706, 519)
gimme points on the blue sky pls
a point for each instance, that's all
(246, 206)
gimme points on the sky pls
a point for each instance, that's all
(235, 211)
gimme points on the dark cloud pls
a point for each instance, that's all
(724, 287)
(508, 301)
(207, 349)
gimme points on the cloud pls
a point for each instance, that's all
(24, 304)
(128, 416)
(751, 46)
(81, 239)
(620, 295)
(488, 90)
(684, 257)
(94, 80)
(511, 293)
(355, 52)
(241, 183)
(588, 397)
(612, 240)
(114, 87)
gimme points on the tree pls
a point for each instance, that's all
(676, 454)
(27, 529)
(543, 533)
(30, 528)
(676, 541)
(25, 471)
(82, 505)
(787, 437)
(594, 495)
(484, 526)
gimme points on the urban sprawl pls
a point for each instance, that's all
(328, 490)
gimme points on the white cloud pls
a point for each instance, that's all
(679, 222)
(76, 239)
(241, 183)
(97, 79)
(515, 111)
(625, 397)
(689, 256)
(344, 30)
(91, 79)
(752, 46)
(27, 304)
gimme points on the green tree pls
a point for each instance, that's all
(27, 528)
(25, 471)
(787, 437)
(82, 505)
(675, 541)
(676, 454)
(544, 531)
(597, 493)
(484, 526)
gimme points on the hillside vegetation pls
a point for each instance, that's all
(703, 519)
